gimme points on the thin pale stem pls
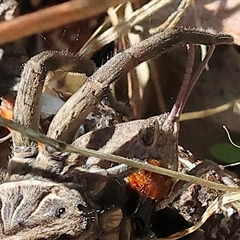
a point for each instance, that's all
(5, 138)
(64, 147)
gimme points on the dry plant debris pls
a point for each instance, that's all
(68, 190)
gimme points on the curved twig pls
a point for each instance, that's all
(75, 110)
(27, 105)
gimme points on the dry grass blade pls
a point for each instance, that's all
(52, 17)
(208, 112)
(64, 147)
(173, 18)
(122, 43)
(217, 204)
(114, 32)
(3, 139)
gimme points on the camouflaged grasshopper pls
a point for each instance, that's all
(35, 203)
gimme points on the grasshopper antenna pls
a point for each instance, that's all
(188, 81)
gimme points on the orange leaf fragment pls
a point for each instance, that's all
(152, 185)
(6, 107)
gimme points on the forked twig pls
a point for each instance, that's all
(75, 110)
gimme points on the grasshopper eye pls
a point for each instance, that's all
(80, 207)
(60, 212)
(149, 133)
